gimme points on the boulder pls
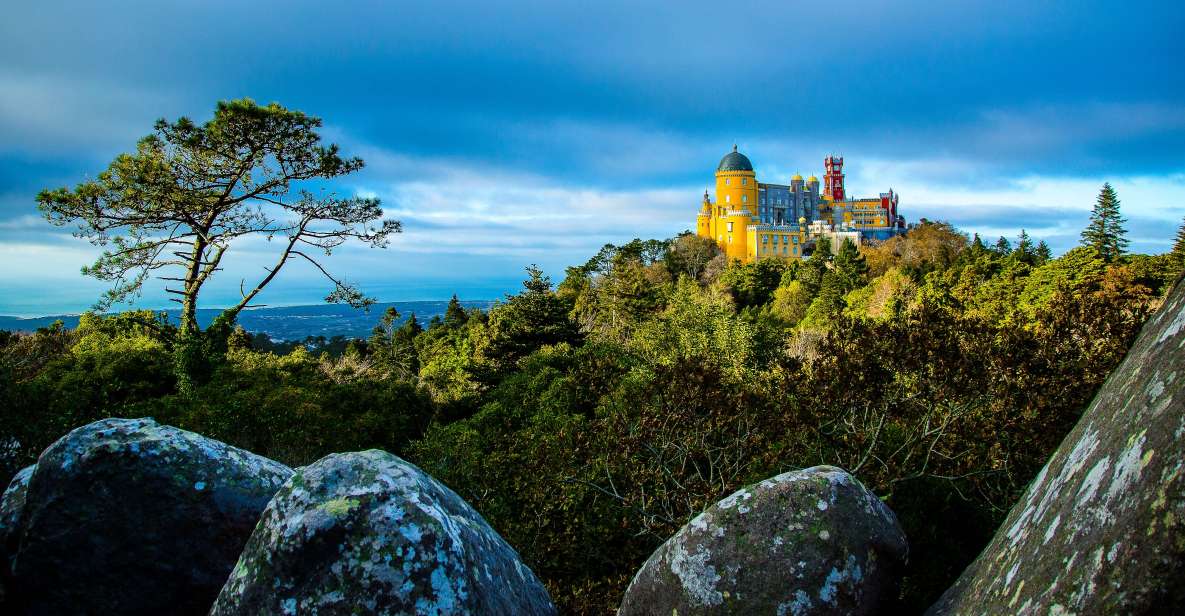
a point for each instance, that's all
(127, 516)
(369, 533)
(813, 541)
(11, 505)
(1101, 529)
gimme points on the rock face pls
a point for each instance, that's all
(369, 533)
(11, 506)
(1101, 530)
(814, 541)
(12, 503)
(127, 516)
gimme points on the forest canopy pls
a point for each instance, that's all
(590, 420)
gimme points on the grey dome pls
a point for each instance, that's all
(735, 161)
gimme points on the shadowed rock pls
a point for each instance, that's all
(127, 516)
(814, 541)
(1100, 530)
(12, 503)
(369, 533)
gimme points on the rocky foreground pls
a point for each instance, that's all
(127, 516)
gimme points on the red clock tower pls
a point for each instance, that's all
(833, 179)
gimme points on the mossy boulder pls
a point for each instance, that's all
(1101, 529)
(813, 541)
(12, 503)
(128, 516)
(367, 532)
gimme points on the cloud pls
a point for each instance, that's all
(518, 132)
(48, 114)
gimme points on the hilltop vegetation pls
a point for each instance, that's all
(589, 421)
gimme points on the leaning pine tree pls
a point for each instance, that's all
(173, 209)
(1105, 233)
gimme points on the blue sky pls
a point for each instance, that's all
(535, 132)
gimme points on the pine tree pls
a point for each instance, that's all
(850, 269)
(1043, 253)
(455, 315)
(1178, 252)
(1105, 232)
(1003, 246)
(822, 249)
(1024, 242)
(831, 295)
(1024, 251)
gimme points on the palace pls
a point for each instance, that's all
(752, 220)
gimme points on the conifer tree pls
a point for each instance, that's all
(1105, 232)
(455, 315)
(1043, 253)
(1024, 243)
(831, 295)
(1178, 252)
(822, 249)
(1024, 251)
(850, 267)
(1003, 246)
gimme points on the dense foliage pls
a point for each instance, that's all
(590, 421)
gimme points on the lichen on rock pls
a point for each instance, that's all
(1101, 529)
(367, 532)
(113, 521)
(12, 503)
(813, 541)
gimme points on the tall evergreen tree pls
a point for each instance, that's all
(1105, 232)
(822, 249)
(1024, 252)
(1003, 246)
(1043, 253)
(850, 269)
(831, 295)
(1024, 242)
(1178, 252)
(524, 323)
(455, 315)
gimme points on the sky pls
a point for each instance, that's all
(506, 134)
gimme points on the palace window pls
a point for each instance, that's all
(744, 198)
(730, 228)
(744, 181)
(727, 181)
(728, 198)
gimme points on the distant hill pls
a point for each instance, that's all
(287, 322)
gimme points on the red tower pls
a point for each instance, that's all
(833, 179)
